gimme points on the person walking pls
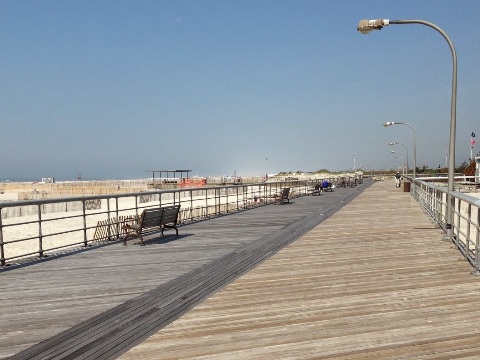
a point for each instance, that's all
(397, 179)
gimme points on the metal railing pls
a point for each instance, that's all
(466, 220)
(36, 228)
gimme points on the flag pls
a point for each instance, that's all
(473, 134)
(472, 142)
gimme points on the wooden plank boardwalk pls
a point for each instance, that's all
(45, 300)
(286, 281)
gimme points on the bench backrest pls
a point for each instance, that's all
(151, 217)
(170, 214)
(285, 192)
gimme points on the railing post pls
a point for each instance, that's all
(477, 245)
(117, 215)
(206, 203)
(467, 240)
(40, 236)
(2, 249)
(109, 217)
(226, 198)
(84, 214)
(438, 205)
(236, 190)
(456, 228)
(191, 205)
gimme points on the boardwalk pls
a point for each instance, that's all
(367, 282)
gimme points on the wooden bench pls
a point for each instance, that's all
(152, 219)
(283, 196)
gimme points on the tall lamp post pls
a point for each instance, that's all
(366, 26)
(406, 150)
(390, 123)
(401, 158)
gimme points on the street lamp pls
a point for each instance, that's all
(401, 158)
(365, 26)
(390, 123)
(406, 150)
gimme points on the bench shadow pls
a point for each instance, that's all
(165, 239)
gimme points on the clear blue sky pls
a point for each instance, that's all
(110, 89)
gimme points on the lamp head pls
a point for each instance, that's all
(393, 152)
(393, 143)
(365, 26)
(388, 123)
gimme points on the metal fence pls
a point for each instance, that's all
(36, 228)
(466, 220)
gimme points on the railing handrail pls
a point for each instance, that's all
(5, 204)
